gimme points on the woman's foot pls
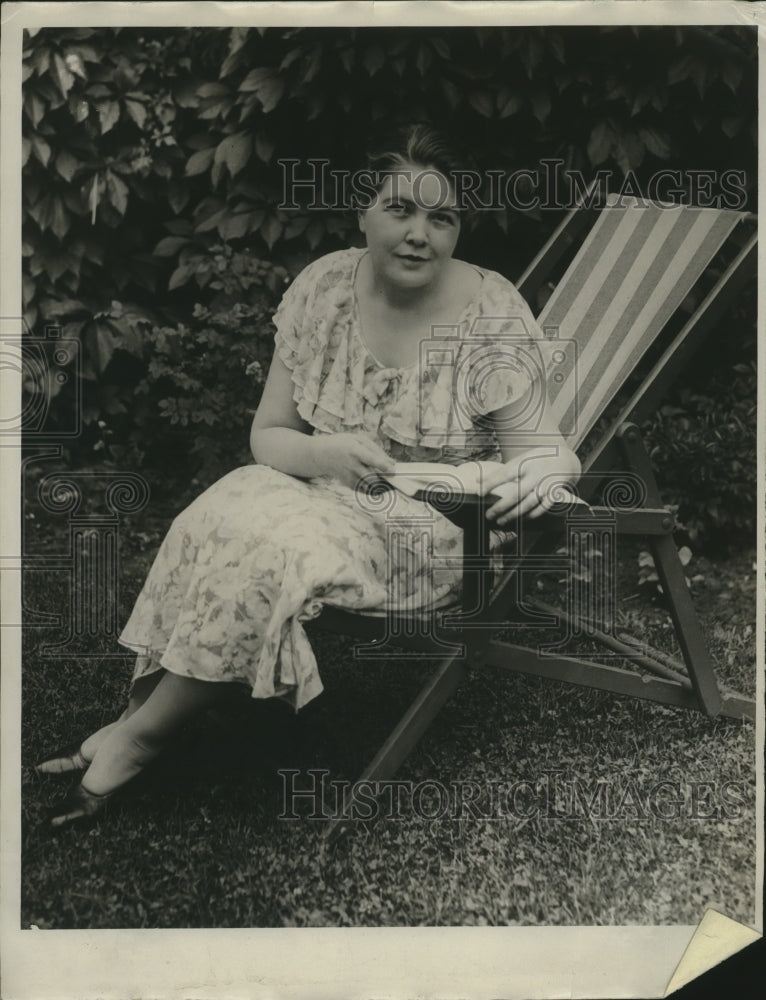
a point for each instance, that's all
(77, 756)
(64, 761)
(77, 807)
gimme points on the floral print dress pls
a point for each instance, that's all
(260, 552)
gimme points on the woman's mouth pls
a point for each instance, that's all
(412, 258)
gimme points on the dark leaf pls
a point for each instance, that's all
(347, 59)
(264, 147)
(255, 79)
(199, 162)
(67, 165)
(296, 226)
(700, 73)
(34, 107)
(28, 289)
(235, 226)
(169, 246)
(216, 173)
(531, 53)
(656, 142)
(732, 76)
(41, 149)
(236, 56)
(210, 222)
(556, 42)
(482, 102)
(256, 219)
(87, 53)
(731, 126)
(178, 196)
(290, 58)
(423, 60)
(180, 227)
(74, 63)
(451, 93)
(541, 106)
(108, 114)
(213, 90)
(271, 230)
(235, 151)
(99, 91)
(600, 143)
(63, 78)
(507, 103)
(41, 59)
(680, 70)
(117, 191)
(441, 47)
(137, 112)
(315, 107)
(185, 93)
(180, 276)
(81, 109)
(102, 342)
(373, 59)
(270, 94)
(314, 233)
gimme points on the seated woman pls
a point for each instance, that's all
(347, 396)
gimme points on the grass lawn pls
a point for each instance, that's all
(197, 840)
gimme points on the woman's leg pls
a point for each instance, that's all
(139, 692)
(77, 758)
(140, 736)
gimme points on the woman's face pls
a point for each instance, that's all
(411, 229)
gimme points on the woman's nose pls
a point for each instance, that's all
(417, 230)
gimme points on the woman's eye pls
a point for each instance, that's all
(443, 219)
(396, 208)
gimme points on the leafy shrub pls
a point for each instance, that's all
(203, 377)
(704, 447)
(147, 152)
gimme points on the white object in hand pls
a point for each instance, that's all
(411, 477)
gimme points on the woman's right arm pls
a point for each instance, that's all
(280, 438)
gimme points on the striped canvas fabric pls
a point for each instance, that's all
(634, 269)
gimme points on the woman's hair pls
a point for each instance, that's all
(395, 146)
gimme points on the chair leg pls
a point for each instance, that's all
(673, 580)
(437, 691)
(687, 626)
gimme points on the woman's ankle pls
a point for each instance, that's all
(90, 744)
(118, 760)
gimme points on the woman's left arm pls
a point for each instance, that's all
(535, 462)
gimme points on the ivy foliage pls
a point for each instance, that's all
(151, 155)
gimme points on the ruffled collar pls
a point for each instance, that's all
(428, 411)
(388, 371)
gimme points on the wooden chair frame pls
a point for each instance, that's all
(469, 636)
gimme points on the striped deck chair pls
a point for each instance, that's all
(614, 308)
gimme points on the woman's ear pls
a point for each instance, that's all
(361, 221)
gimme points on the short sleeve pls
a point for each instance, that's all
(313, 323)
(504, 362)
(290, 316)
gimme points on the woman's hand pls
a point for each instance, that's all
(349, 458)
(532, 480)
